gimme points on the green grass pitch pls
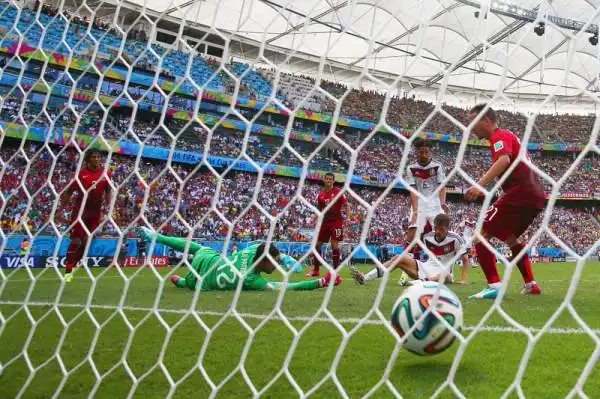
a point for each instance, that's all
(488, 368)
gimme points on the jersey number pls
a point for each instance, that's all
(338, 232)
(490, 213)
(223, 278)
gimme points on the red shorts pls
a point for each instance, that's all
(91, 223)
(502, 220)
(331, 230)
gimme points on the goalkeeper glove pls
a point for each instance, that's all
(147, 234)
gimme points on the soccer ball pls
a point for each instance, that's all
(430, 335)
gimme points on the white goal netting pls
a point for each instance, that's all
(217, 122)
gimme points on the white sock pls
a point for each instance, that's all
(374, 273)
(495, 285)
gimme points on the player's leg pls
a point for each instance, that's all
(324, 236)
(488, 263)
(409, 266)
(524, 218)
(74, 255)
(487, 259)
(431, 271)
(423, 225)
(429, 218)
(401, 261)
(79, 240)
(336, 256)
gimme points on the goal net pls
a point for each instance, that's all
(217, 123)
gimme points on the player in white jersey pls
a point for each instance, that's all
(425, 176)
(446, 245)
(467, 229)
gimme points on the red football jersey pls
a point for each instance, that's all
(523, 187)
(95, 185)
(325, 197)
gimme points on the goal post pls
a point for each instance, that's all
(217, 122)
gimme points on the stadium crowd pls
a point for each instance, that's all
(405, 111)
(377, 160)
(278, 197)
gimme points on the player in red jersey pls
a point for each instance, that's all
(95, 182)
(508, 218)
(332, 227)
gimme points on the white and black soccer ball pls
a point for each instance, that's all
(430, 336)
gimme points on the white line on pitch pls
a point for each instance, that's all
(343, 320)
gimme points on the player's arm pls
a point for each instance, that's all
(347, 209)
(178, 244)
(315, 216)
(414, 203)
(72, 187)
(442, 194)
(496, 170)
(108, 191)
(414, 198)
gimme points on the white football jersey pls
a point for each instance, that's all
(426, 179)
(447, 249)
(468, 229)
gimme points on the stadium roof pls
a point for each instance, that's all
(422, 43)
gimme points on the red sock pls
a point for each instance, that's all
(335, 258)
(524, 264)
(316, 263)
(74, 254)
(487, 260)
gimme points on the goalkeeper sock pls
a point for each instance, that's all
(376, 272)
(524, 264)
(487, 261)
(335, 258)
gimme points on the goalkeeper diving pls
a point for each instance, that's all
(217, 273)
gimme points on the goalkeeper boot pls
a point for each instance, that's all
(357, 275)
(68, 277)
(531, 288)
(490, 292)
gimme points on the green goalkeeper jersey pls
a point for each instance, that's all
(219, 274)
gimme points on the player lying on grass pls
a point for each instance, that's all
(442, 242)
(217, 273)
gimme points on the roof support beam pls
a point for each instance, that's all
(275, 5)
(316, 19)
(182, 5)
(535, 64)
(478, 50)
(408, 32)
